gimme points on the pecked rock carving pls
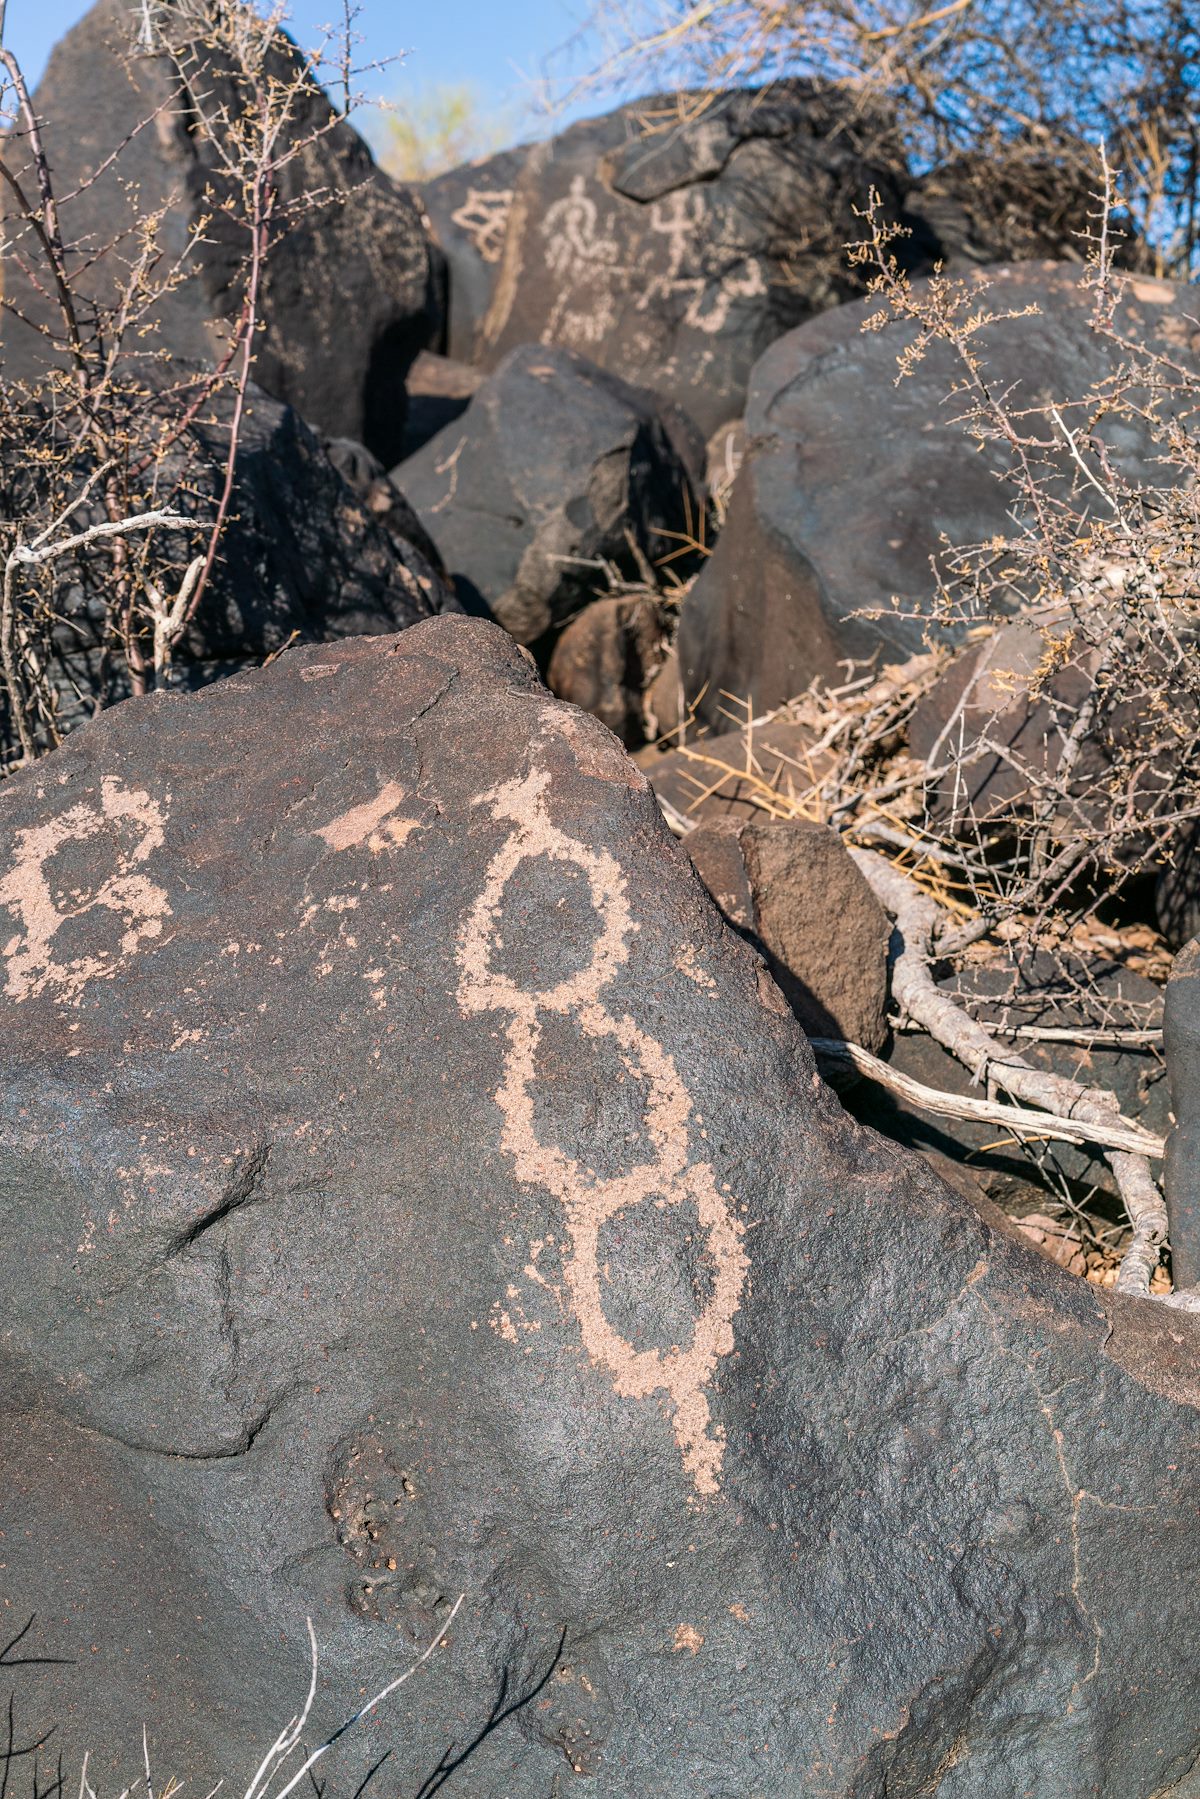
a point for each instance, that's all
(374, 823)
(483, 216)
(589, 1201)
(518, 1068)
(130, 825)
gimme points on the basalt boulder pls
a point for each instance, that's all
(1089, 994)
(854, 484)
(556, 468)
(1177, 890)
(367, 477)
(439, 391)
(791, 887)
(736, 774)
(607, 659)
(316, 548)
(1020, 207)
(411, 1187)
(468, 210)
(1181, 1034)
(352, 287)
(672, 240)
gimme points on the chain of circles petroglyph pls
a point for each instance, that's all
(588, 1201)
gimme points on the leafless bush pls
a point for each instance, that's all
(288, 1763)
(998, 82)
(1068, 756)
(117, 467)
(1071, 758)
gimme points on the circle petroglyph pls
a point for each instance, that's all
(590, 1202)
(128, 827)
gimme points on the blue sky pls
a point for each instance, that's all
(498, 46)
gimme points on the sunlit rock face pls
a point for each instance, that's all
(411, 1187)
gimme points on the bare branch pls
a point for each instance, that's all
(917, 922)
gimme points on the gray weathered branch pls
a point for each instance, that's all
(918, 920)
(1020, 1120)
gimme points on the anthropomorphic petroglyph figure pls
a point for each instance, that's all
(40, 899)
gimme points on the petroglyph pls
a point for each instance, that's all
(681, 220)
(483, 215)
(130, 826)
(582, 250)
(589, 1202)
(587, 263)
(373, 823)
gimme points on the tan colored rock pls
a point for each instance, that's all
(664, 699)
(793, 887)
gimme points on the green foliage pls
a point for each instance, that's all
(444, 126)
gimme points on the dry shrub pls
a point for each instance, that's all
(988, 83)
(117, 466)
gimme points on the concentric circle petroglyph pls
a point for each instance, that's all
(129, 824)
(589, 1201)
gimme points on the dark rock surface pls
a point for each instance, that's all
(1177, 890)
(851, 482)
(302, 555)
(468, 210)
(352, 289)
(439, 391)
(987, 209)
(606, 659)
(408, 1188)
(996, 692)
(368, 478)
(793, 889)
(553, 466)
(1098, 996)
(673, 239)
(997, 724)
(1181, 1042)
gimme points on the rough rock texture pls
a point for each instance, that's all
(352, 289)
(1177, 891)
(1181, 1041)
(793, 889)
(408, 1189)
(724, 454)
(606, 659)
(468, 210)
(998, 693)
(664, 700)
(986, 209)
(1100, 995)
(673, 239)
(302, 555)
(721, 777)
(554, 465)
(850, 481)
(368, 478)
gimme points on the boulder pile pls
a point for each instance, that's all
(574, 1121)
